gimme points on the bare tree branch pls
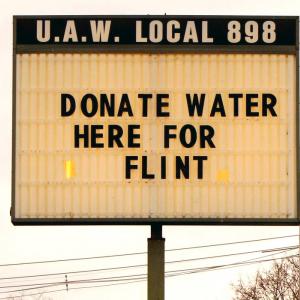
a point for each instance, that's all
(281, 282)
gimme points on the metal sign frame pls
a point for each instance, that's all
(152, 48)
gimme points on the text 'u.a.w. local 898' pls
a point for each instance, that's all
(160, 31)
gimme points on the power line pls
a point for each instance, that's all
(142, 277)
(118, 277)
(75, 288)
(232, 243)
(79, 274)
(232, 254)
(140, 253)
(237, 264)
(144, 265)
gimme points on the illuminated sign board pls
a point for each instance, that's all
(155, 119)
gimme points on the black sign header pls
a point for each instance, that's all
(168, 31)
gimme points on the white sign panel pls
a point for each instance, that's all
(177, 137)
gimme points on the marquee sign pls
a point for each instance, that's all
(155, 119)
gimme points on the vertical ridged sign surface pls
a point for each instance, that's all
(175, 119)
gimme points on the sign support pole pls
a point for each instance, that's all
(156, 264)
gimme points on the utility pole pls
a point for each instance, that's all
(156, 264)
